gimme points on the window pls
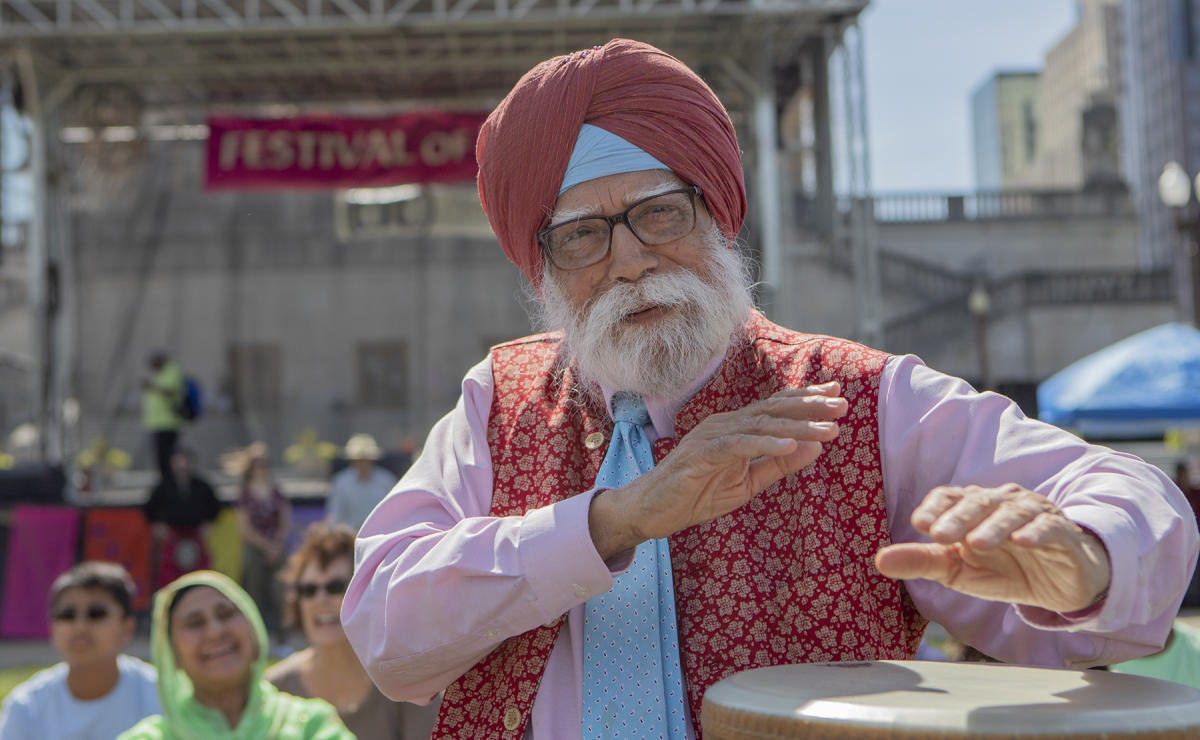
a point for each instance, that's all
(383, 213)
(383, 374)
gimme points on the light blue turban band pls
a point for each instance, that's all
(598, 153)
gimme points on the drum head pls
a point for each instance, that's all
(917, 699)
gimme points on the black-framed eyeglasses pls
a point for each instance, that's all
(656, 220)
(94, 613)
(332, 587)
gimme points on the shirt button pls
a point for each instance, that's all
(580, 591)
(593, 440)
(512, 718)
(491, 634)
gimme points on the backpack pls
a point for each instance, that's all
(191, 404)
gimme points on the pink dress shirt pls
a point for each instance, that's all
(438, 583)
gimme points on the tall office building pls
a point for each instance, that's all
(1080, 86)
(1004, 129)
(1057, 128)
(1162, 114)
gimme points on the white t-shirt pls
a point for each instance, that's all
(43, 707)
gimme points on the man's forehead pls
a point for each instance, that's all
(602, 194)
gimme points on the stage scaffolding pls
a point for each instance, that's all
(122, 70)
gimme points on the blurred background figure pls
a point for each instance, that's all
(316, 577)
(1183, 479)
(210, 648)
(96, 691)
(181, 510)
(264, 516)
(1178, 661)
(161, 395)
(355, 490)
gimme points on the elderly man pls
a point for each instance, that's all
(668, 488)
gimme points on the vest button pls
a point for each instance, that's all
(593, 440)
(512, 718)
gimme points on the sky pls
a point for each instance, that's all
(924, 58)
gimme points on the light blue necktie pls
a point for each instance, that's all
(632, 682)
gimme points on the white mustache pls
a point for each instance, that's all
(672, 290)
(704, 307)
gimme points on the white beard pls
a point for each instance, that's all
(660, 360)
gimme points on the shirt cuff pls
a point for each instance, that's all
(1117, 533)
(559, 558)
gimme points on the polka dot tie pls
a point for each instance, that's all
(632, 681)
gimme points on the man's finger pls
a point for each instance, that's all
(1006, 519)
(1047, 529)
(955, 523)
(936, 503)
(918, 560)
(772, 426)
(830, 388)
(791, 407)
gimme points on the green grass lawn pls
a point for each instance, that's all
(10, 677)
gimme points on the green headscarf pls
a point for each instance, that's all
(269, 714)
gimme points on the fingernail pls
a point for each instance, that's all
(824, 425)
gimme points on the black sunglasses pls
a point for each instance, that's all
(94, 613)
(332, 587)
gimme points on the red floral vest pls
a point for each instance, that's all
(788, 578)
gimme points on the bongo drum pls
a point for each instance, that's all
(917, 700)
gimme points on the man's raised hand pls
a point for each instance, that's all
(720, 465)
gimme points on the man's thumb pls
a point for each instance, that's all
(915, 560)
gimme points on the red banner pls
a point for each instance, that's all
(338, 152)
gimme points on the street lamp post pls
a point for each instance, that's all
(1175, 191)
(979, 304)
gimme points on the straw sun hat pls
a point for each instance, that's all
(361, 447)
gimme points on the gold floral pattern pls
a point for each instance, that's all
(788, 578)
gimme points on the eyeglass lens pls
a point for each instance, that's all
(655, 220)
(333, 587)
(94, 613)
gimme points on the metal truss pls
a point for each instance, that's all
(464, 64)
(58, 17)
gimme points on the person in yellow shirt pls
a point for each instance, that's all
(161, 396)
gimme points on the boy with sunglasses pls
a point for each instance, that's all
(96, 692)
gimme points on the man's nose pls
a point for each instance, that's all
(630, 258)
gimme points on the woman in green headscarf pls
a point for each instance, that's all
(209, 644)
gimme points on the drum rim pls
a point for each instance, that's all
(735, 692)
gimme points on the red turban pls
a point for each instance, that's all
(627, 88)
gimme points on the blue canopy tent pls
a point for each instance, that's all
(1138, 387)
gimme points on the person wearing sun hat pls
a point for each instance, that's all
(355, 490)
(667, 488)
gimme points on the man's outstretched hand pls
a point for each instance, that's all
(1003, 544)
